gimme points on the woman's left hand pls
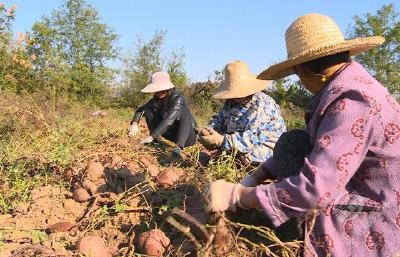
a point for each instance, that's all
(222, 196)
(211, 139)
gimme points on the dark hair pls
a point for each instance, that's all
(320, 64)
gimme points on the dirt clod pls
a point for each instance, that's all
(133, 167)
(81, 195)
(153, 242)
(145, 161)
(93, 246)
(117, 161)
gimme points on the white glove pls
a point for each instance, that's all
(249, 181)
(147, 140)
(134, 129)
(222, 196)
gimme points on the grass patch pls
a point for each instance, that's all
(37, 145)
(226, 166)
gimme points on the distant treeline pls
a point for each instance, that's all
(71, 54)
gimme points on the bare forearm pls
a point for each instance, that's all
(261, 174)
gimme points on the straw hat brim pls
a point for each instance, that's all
(157, 87)
(354, 46)
(253, 85)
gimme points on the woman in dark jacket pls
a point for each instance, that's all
(167, 114)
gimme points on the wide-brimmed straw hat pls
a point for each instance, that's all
(313, 36)
(160, 81)
(239, 82)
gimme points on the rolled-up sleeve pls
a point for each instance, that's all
(342, 140)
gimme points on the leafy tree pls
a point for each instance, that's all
(383, 62)
(299, 96)
(15, 63)
(280, 94)
(200, 93)
(288, 93)
(6, 18)
(147, 59)
(73, 47)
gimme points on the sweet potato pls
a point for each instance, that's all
(153, 242)
(81, 195)
(63, 226)
(93, 246)
(170, 176)
(94, 171)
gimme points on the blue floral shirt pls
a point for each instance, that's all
(251, 129)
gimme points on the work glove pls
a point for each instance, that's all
(249, 181)
(147, 140)
(210, 138)
(222, 196)
(133, 129)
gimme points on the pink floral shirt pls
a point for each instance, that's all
(352, 176)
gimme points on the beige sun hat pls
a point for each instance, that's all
(239, 82)
(313, 36)
(160, 81)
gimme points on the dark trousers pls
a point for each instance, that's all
(182, 131)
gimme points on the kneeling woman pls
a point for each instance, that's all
(167, 114)
(351, 174)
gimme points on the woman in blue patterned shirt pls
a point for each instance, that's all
(250, 122)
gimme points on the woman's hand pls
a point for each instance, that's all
(225, 196)
(222, 196)
(210, 138)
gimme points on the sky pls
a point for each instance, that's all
(212, 33)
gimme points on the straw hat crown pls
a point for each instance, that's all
(301, 39)
(160, 81)
(313, 36)
(239, 82)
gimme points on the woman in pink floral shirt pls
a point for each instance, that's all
(352, 174)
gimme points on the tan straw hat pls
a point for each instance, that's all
(239, 82)
(160, 81)
(313, 36)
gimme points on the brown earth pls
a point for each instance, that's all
(121, 198)
(111, 198)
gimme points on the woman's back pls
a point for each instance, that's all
(357, 119)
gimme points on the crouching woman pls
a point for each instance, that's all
(351, 174)
(167, 114)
